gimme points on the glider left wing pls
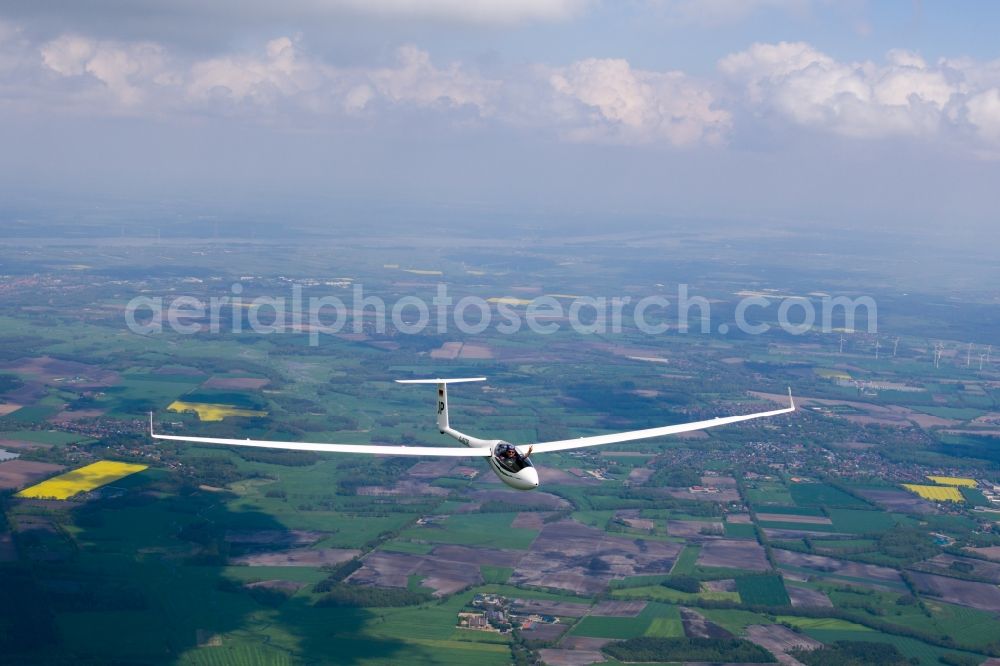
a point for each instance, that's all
(383, 450)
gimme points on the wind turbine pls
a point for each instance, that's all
(895, 344)
(841, 343)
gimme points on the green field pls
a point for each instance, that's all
(968, 626)
(960, 413)
(824, 623)
(861, 522)
(685, 562)
(42, 436)
(655, 620)
(794, 510)
(740, 531)
(762, 590)
(736, 621)
(926, 655)
(498, 575)
(974, 496)
(769, 493)
(598, 519)
(478, 529)
(657, 592)
(812, 527)
(822, 494)
(398, 546)
(843, 544)
(37, 413)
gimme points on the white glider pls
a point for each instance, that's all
(511, 463)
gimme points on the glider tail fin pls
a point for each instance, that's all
(442, 396)
(442, 407)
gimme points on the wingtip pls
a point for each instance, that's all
(791, 400)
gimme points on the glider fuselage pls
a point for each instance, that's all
(510, 466)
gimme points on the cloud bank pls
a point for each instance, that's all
(904, 96)
(591, 100)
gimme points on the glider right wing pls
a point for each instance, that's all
(632, 435)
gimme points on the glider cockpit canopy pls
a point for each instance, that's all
(507, 455)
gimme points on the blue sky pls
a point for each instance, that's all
(798, 111)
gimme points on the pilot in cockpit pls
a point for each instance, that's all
(509, 456)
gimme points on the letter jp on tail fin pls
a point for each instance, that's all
(442, 407)
(442, 395)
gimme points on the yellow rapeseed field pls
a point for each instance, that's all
(208, 411)
(936, 493)
(953, 481)
(81, 480)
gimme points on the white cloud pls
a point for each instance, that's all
(68, 55)
(984, 114)
(608, 100)
(596, 100)
(285, 73)
(416, 80)
(904, 96)
(102, 76)
(280, 72)
(590, 100)
(123, 69)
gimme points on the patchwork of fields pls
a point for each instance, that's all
(793, 532)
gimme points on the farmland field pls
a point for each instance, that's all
(925, 654)
(486, 529)
(861, 522)
(975, 497)
(735, 621)
(822, 494)
(492, 574)
(762, 590)
(80, 480)
(769, 493)
(42, 436)
(953, 481)
(936, 493)
(212, 411)
(655, 620)
(737, 531)
(662, 593)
